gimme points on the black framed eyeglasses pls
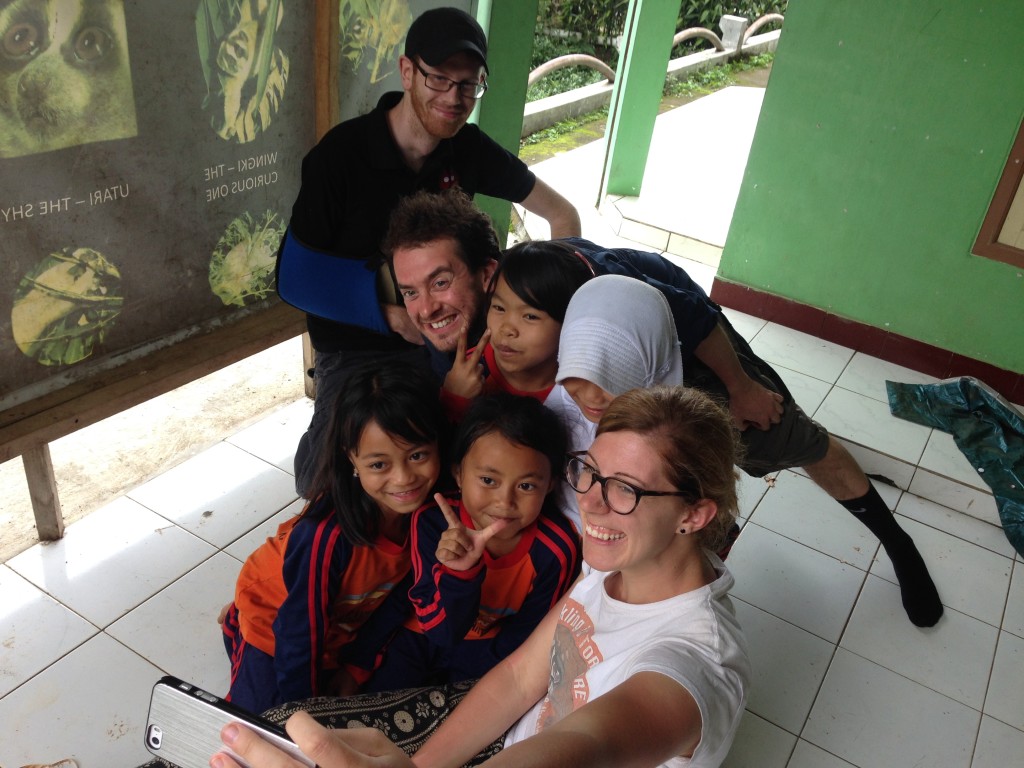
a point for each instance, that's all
(619, 496)
(468, 88)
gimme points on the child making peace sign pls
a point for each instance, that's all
(489, 566)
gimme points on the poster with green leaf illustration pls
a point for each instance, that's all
(245, 71)
(371, 38)
(150, 153)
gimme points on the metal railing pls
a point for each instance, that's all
(768, 18)
(571, 60)
(694, 33)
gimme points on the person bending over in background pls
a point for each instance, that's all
(445, 287)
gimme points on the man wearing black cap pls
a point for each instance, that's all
(412, 141)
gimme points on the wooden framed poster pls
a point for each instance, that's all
(149, 156)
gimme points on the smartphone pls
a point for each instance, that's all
(184, 726)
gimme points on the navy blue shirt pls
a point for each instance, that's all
(694, 312)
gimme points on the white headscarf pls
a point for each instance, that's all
(618, 333)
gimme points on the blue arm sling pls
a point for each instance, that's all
(329, 286)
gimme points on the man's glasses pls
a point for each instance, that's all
(619, 496)
(467, 88)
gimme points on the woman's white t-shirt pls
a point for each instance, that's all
(692, 638)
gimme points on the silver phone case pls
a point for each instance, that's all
(184, 726)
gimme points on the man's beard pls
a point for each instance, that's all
(436, 126)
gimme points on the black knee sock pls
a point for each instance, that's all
(920, 598)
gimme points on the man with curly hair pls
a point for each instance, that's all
(351, 181)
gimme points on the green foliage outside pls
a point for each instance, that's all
(562, 127)
(597, 22)
(716, 78)
(698, 84)
(546, 48)
(702, 13)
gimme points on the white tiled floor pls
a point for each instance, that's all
(131, 592)
(842, 679)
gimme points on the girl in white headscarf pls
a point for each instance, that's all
(618, 334)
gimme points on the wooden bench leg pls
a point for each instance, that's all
(308, 361)
(42, 487)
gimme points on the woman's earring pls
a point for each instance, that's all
(682, 531)
(355, 472)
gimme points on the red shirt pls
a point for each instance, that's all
(455, 405)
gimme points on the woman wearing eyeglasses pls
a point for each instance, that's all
(648, 640)
(643, 663)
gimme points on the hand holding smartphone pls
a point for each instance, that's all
(185, 722)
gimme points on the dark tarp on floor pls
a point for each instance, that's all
(987, 429)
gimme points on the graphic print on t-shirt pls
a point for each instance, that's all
(572, 654)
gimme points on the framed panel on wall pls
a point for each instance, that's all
(149, 157)
(150, 153)
(1002, 232)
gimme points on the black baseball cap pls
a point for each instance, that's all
(437, 34)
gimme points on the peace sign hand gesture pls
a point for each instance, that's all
(460, 548)
(466, 378)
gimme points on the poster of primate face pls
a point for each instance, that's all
(65, 75)
(149, 157)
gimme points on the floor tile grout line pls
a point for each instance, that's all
(986, 491)
(951, 533)
(912, 680)
(104, 629)
(821, 683)
(868, 571)
(92, 636)
(1000, 721)
(792, 750)
(992, 667)
(823, 749)
(835, 649)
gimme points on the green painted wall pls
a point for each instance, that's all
(884, 130)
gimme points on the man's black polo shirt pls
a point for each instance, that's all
(355, 176)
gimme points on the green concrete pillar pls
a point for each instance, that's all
(643, 61)
(509, 25)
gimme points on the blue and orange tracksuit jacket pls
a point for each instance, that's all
(465, 622)
(304, 594)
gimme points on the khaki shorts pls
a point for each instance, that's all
(796, 441)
